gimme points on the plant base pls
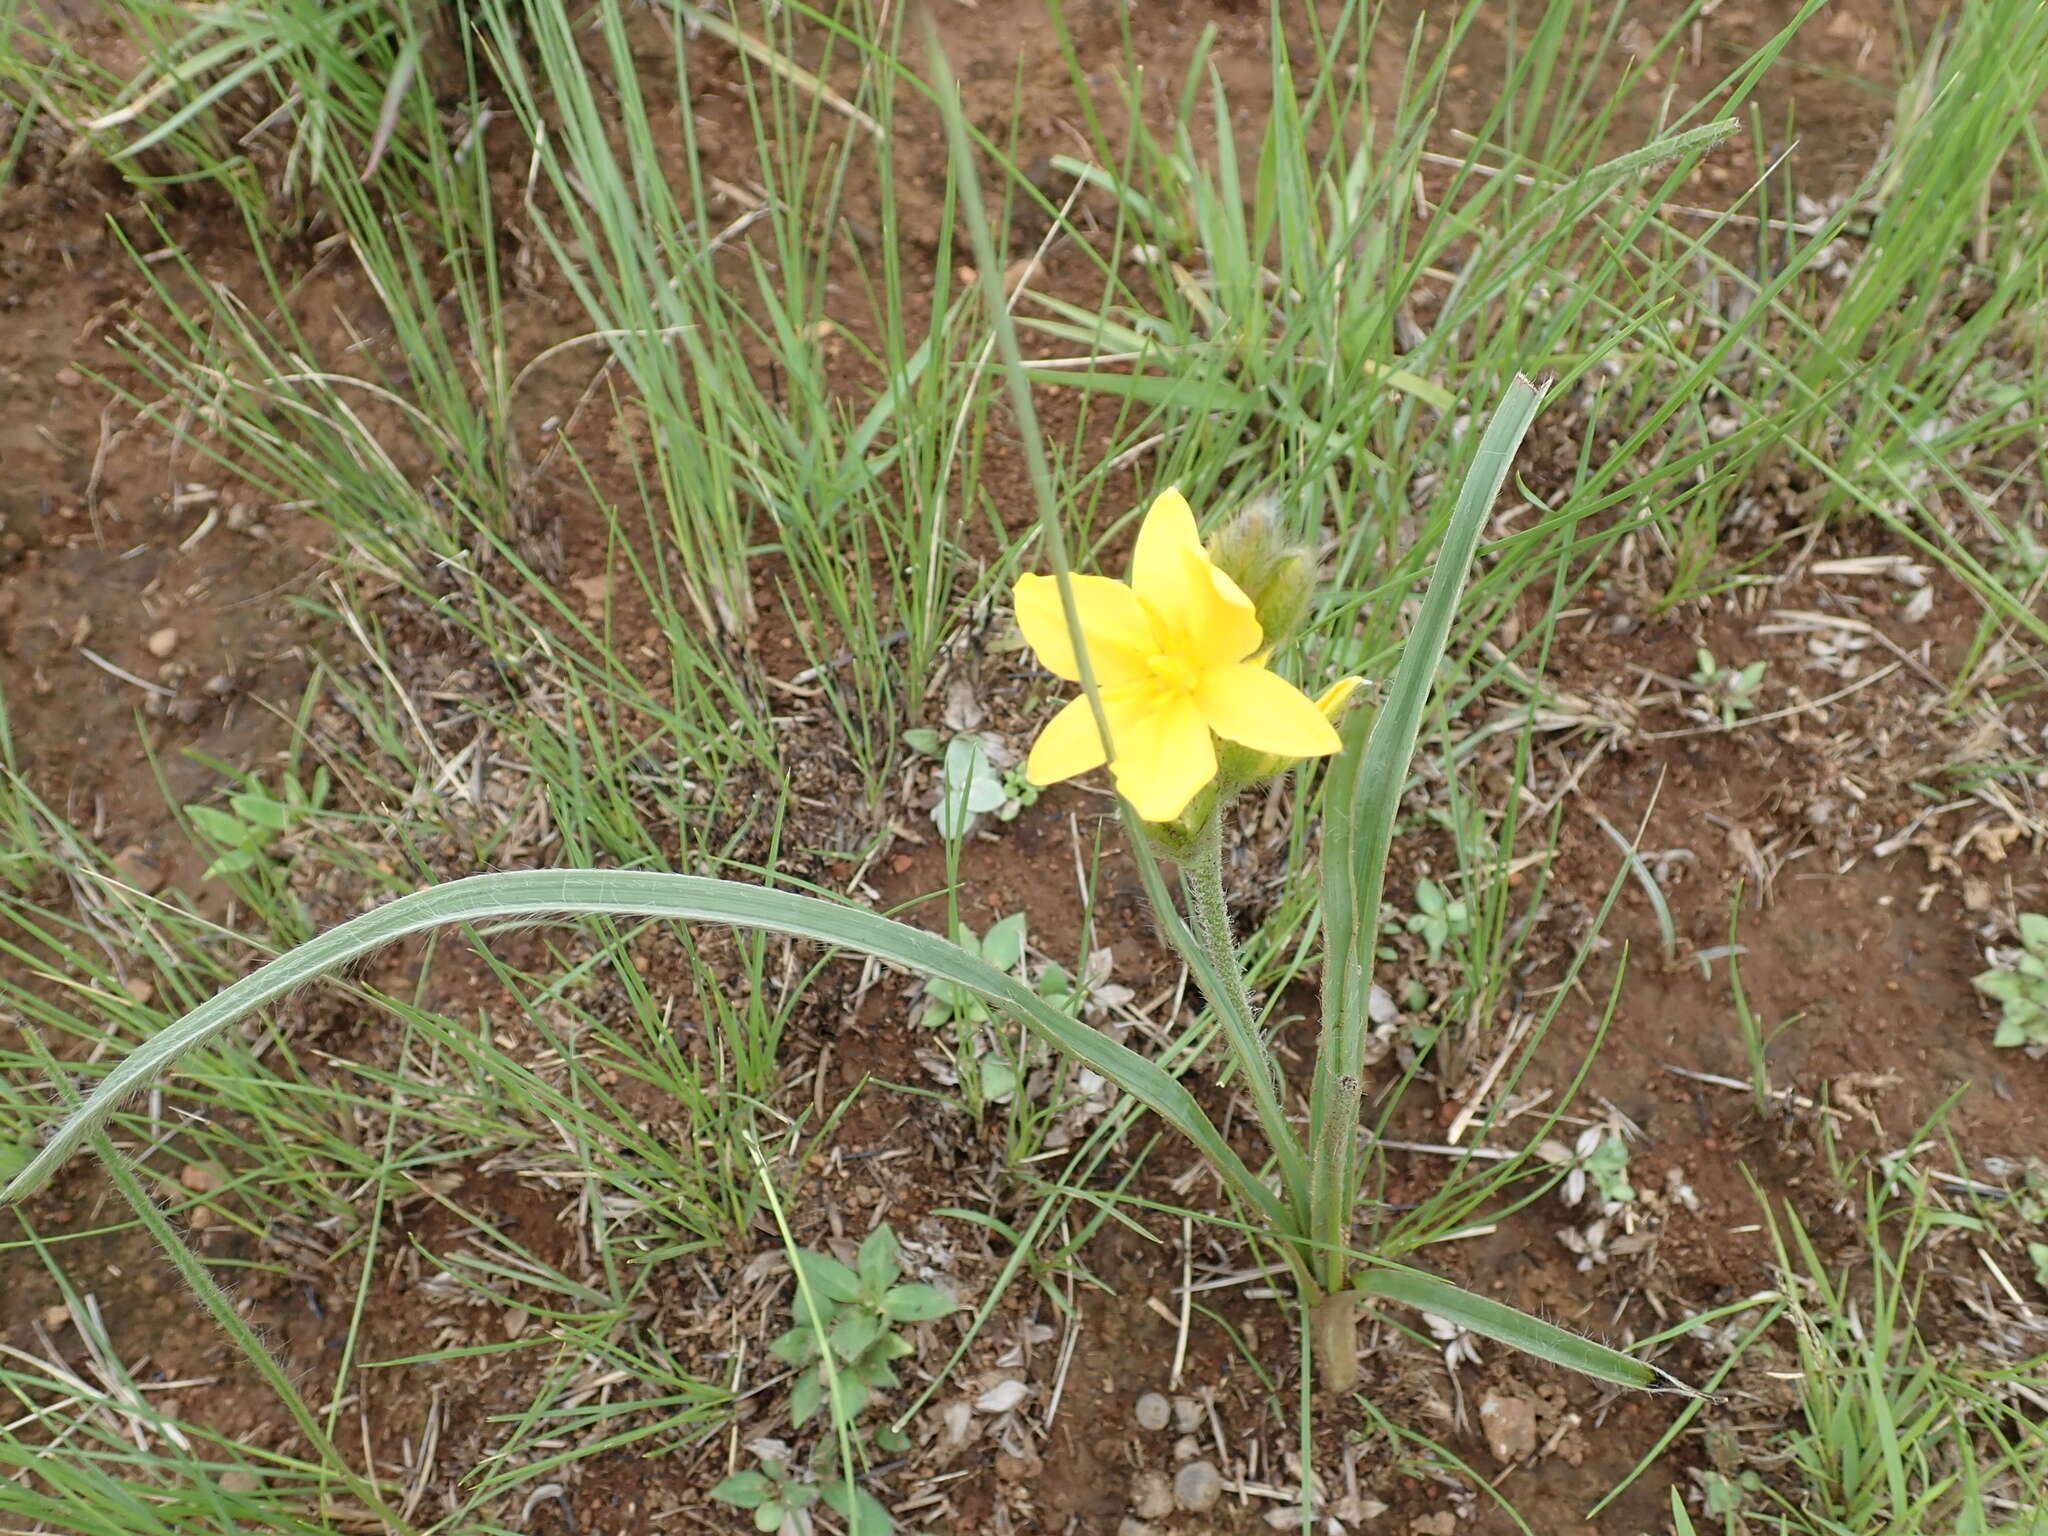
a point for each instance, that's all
(1333, 1339)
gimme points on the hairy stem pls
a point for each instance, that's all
(1202, 875)
(1333, 1336)
(1214, 961)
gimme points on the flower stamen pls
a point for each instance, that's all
(1175, 672)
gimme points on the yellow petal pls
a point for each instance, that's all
(1158, 565)
(1260, 710)
(1199, 613)
(1164, 755)
(1118, 635)
(1337, 697)
(1068, 746)
(1218, 624)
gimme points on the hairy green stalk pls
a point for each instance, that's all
(1209, 939)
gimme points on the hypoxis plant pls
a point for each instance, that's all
(1180, 700)
(1181, 658)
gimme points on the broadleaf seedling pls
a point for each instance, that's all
(254, 820)
(844, 1341)
(1438, 917)
(1726, 691)
(2020, 987)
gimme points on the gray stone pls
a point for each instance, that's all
(1151, 1496)
(1197, 1486)
(1129, 1527)
(1154, 1412)
(1187, 1415)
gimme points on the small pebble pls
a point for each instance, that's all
(1132, 1527)
(1510, 1426)
(1186, 1448)
(1197, 1486)
(1153, 1411)
(69, 378)
(136, 868)
(1187, 1415)
(239, 1481)
(55, 1317)
(1287, 1517)
(162, 642)
(1151, 1496)
(199, 1178)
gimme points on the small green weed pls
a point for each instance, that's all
(1607, 1166)
(970, 783)
(2019, 982)
(845, 1338)
(1002, 946)
(1438, 917)
(253, 821)
(986, 1070)
(780, 1500)
(1726, 691)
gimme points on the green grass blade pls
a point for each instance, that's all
(1495, 1320)
(1359, 805)
(542, 894)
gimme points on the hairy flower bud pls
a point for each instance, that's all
(1273, 569)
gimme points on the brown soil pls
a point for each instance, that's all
(1861, 910)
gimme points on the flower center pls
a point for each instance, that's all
(1175, 672)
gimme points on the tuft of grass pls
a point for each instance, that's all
(1898, 1431)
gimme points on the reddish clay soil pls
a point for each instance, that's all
(1858, 911)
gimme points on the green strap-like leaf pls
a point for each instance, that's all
(1495, 1320)
(1359, 804)
(542, 894)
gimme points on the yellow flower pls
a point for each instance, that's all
(1176, 657)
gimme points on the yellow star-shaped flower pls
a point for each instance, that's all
(1176, 659)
